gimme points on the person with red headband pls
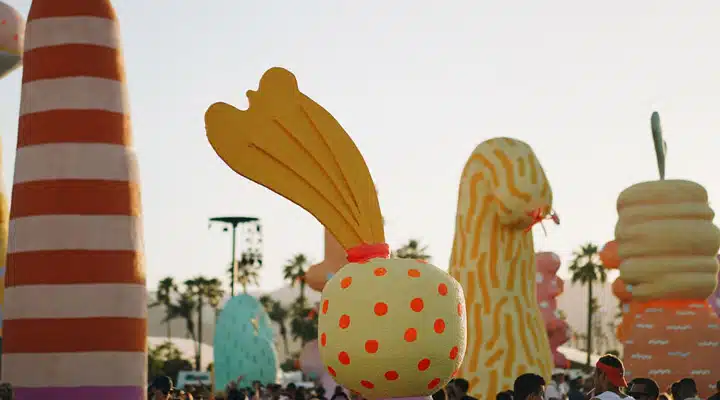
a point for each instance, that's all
(609, 379)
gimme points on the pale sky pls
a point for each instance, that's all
(417, 84)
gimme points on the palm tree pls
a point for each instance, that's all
(248, 266)
(304, 322)
(295, 272)
(203, 290)
(587, 269)
(163, 297)
(277, 314)
(185, 310)
(412, 250)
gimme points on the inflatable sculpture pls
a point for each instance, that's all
(388, 327)
(549, 287)
(714, 299)
(666, 251)
(335, 257)
(503, 193)
(12, 27)
(243, 345)
(75, 300)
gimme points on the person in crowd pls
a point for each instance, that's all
(575, 391)
(665, 396)
(675, 390)
(609, 378)
(460, 388)
(529, 387)
(161, 388)
(339, 394)
(644, 389)
(320, 393)
(687, 389)
(553, 391)
(506, 395)
(440, 395)
(6, 392)
(716, 396)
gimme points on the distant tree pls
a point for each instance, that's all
(278, 314)
(166, 290)
(166, 359)
(587, 269)
(294, 272)
(248, 268)
(304, 322)
(204, 290)
(412, 249)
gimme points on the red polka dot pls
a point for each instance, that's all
(367, 384)
(391, 375)
(433, 383)
(346, 282)
(410, 335)
(3, 22)
(417, 304)
(380, 271)
(344, 358)
(424, 364)
(323, 339)
(381, 309)
(371, 346)
(439, 325)
(325, 306)
(442, 289)
(453, 353)
(345, 321)
(454, 374)
(331, 371)
(422, 261)
(460, 309)
(413, 273)
(15, 37)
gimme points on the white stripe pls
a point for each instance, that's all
(30, 370)
(53, 161)
(76, 301)
(76, 93)
(55, 31)
(75, 232)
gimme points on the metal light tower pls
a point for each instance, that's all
(253, 225)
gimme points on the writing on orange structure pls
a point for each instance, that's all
(493, 257)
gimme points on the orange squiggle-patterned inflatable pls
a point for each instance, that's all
(549, 287)
(503, 193)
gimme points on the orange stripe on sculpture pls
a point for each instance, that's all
(75, 218)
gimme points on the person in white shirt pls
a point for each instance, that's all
(553, 391)
(609, 379)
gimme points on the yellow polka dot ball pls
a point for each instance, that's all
(392, 327)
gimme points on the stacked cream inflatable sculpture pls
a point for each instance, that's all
(503, 193)
(666, 248)
(75, 302)
(388, 327)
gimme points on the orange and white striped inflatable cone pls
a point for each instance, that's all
(75, 301)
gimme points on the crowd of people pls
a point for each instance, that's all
(607, 383)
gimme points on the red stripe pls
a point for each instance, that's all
(71, 8)
(62, 267)
(75, 197)
(72, 60)
(74, 335)
(74, 126)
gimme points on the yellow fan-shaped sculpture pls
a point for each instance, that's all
(387, 327)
